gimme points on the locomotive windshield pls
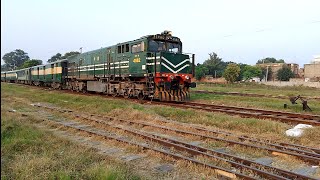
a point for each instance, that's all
(157, 46)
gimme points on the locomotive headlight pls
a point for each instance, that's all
(187, 77)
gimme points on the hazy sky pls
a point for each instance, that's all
(241, 31)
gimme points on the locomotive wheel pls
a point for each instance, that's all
(140, 96)
(126, 95)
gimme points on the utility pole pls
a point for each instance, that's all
(267, 73)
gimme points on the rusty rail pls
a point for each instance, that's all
(308, 154)
(287, 117)
(250, 94)
(197, 150)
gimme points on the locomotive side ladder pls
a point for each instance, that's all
(151, 76)
(150, 85)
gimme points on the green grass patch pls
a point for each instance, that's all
(220, 120)
(256, 102)
(127, 109)
(79, 102)
(31, 153)
(260, 89)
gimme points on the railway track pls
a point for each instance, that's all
(287, 117)
(250, 94)
(243, 166)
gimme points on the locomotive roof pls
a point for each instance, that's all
(126, 42)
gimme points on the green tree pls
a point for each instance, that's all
(15, 58)
(55, 58)
(71, 53)
(215, 65)
(240, 77)
(251, 71)
(200, 71)
(284, 74)
(4, 67)
(59, 56)
(32, 62)
(232, 72)
(270, 60)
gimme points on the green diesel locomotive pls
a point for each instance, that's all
(152, 67)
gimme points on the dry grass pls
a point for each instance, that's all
(258, 102)
(31, 153)
(248, 152)
(46, 163)
(260, 89)
(128, 110)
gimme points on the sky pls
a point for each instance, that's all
(240, 31)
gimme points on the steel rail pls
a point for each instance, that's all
(262, 111)
(249, 94)
(220, 170)
(303, 155)
(195, 149)
(286, 117)
(307, 158)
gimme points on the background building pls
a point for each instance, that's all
(316, 60)
(312, 71)
(275, 67)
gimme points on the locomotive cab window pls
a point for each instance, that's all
(157, 46)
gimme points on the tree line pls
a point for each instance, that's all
(19, 59)
(214, 66)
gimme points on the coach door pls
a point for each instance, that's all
(64, 69)
(51, 71)
(72, 69)
(28, 78)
